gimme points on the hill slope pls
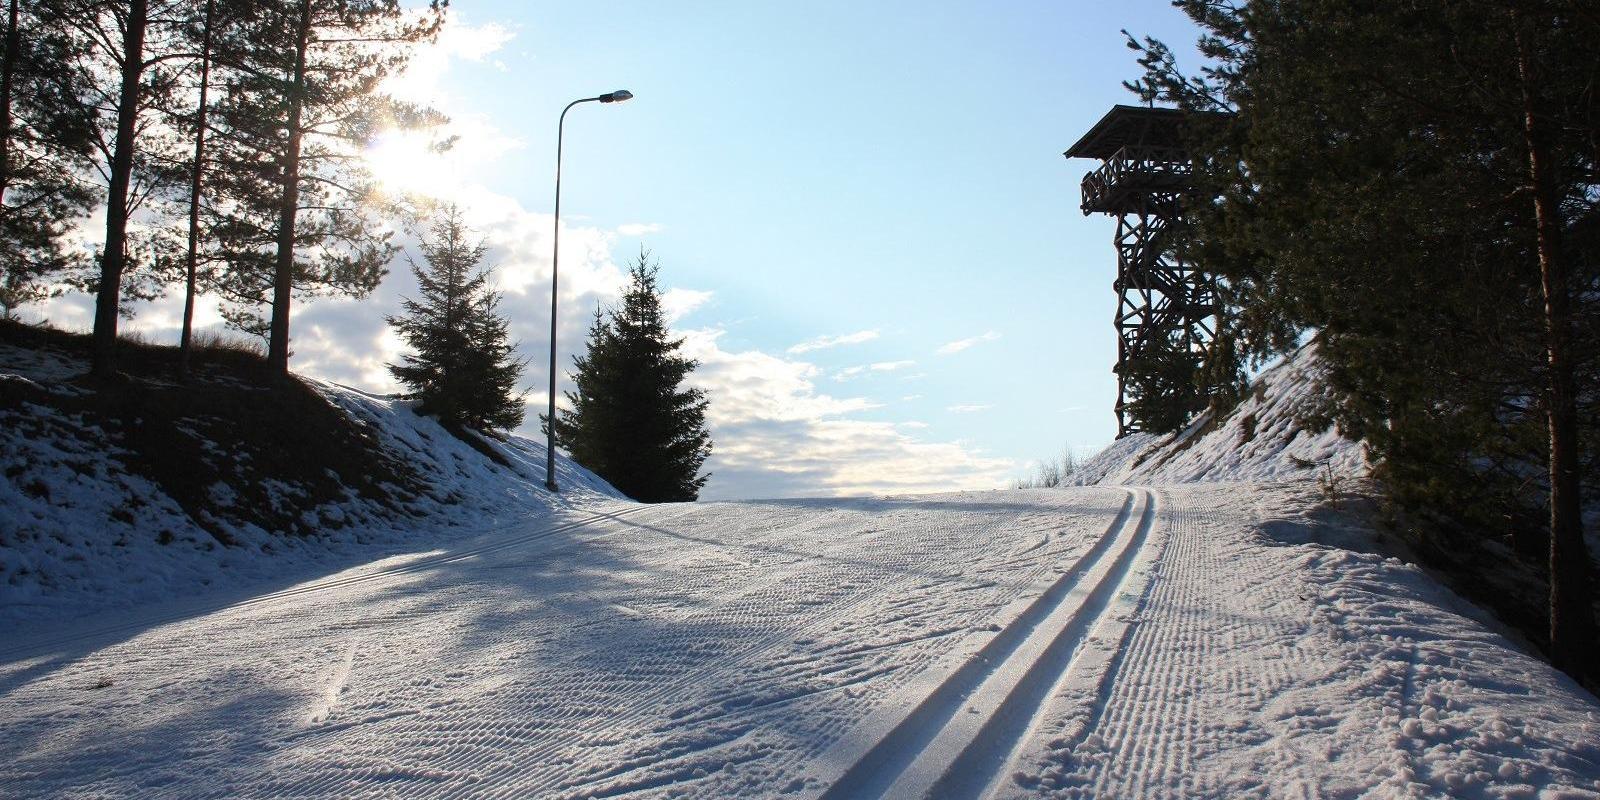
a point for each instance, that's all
(1264, 438)
(154, 488)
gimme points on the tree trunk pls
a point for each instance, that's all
(185, 342)
(283, 275)
(115, 254)
(1572, 627)
(8, 69)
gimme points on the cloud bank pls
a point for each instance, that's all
(776, 434)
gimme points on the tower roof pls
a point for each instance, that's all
(1125, 125)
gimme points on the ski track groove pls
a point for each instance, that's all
(1178, 647)
(883, 768)
(1145, 728)
(873, 612)
(880, 579)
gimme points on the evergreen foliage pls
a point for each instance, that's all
(1374, 186)
(297, 209)
(463, 366)
(45, 150)
(251, 118)
(632, 422)
(1163, 384)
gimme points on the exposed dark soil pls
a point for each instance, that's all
(281, 449)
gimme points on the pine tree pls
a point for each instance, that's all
(462, 368)
(632, 422)
(294, 210)
(1417, 183)
(45, 150)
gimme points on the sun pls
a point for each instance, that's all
(409, 163)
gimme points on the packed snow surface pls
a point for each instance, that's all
(1216, 640)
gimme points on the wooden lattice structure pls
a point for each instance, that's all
(1164, 305)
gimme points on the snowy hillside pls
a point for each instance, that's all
(1264, 438)
(83, 524)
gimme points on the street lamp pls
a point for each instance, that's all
(555, 254)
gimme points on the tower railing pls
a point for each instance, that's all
(1134, 171)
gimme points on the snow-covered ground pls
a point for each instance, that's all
(1186, 641)
(81, 531)
(1169, 638)
(1266, 437)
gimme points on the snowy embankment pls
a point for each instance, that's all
(84, 525)
(1264, 438)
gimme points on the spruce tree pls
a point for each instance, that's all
(462, 368)
(632, 422)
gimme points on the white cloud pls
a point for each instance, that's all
(962, 344)
(422, 80)
(640, 228)
(849, 373)
(408, 161)
(678, 303)
(969, 408)
(824, 342)
(776, 435)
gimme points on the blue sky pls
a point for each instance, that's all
(883, 177)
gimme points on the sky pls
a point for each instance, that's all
(869, 236)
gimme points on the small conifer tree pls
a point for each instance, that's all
(462, 366)
(632, 421)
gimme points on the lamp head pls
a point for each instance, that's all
(616, 96)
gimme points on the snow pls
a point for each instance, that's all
(1245, 635)
(1199, 640)
(1266, 437)
(80, 533)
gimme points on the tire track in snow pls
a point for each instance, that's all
(939, 751)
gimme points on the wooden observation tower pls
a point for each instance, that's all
(1166, 308)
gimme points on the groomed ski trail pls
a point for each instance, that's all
(712, 648)
(1186, 641)
(956, 741)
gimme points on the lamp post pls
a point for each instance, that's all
(555, 254)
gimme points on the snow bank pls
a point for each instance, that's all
(81, 530)
(1264, 438)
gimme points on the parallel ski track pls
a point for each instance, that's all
(37, 647)
(561, 750)
(879, 579)
(1151, 724)
(1009, 667)
(662, 699)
